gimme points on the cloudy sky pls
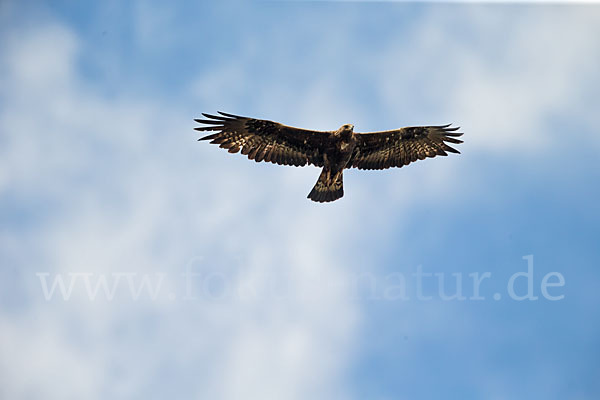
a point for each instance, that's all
(138, 263)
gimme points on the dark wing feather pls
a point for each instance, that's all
(396, 148)
(263, 140)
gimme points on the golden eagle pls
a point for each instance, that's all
(263, 140)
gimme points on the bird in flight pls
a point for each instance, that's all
(334, 151)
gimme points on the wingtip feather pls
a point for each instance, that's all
(214, 117)
(209, 137)
(229, 115)
(208, 121)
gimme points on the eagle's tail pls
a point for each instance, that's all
(329, 187)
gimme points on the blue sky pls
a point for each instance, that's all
(101, 177)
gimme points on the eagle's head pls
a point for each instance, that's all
(347, 127)
(345, 130)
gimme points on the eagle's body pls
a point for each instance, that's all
(334, 151)
(337, 153)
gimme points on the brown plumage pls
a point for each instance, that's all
(334, 151)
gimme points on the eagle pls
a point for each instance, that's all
(333, 151)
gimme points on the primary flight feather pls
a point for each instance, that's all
(334, 151)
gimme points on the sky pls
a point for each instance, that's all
(138, 263)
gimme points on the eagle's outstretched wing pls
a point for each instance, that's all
(263, 140)
(395, 148)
